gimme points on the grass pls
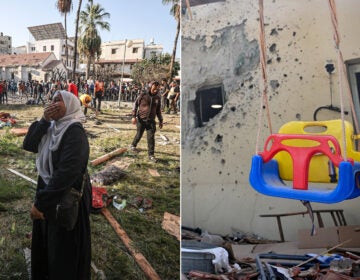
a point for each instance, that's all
(143, 227)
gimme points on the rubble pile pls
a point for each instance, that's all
(210, 256)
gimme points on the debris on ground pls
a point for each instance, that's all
(108, 156)
(108, 175)
(118, 203)
(153, 172)
(98, 272)
(138, 257)
(164, 137)
(141, 202)
(203, 257)
(171, 224)
(20, 131)
(6, 120)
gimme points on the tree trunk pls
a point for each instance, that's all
(66, 47)
(171, 72)
(76, 37)
(88, 62)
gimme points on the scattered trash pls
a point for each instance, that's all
(109, 126)
(108, 175)
(141, 202)
(165, 138)
(153, 172)
(99, 199)
(27, 256)
(212, 239)
(147, 203)
(100, 275)
(119, 206)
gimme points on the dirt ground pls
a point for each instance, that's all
(158, 182)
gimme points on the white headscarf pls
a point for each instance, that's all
(51, 140)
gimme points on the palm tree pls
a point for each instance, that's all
(174, 11)
(76, 37)
(90, 42)
(64, 7)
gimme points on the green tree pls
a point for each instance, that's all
(64, 7)
(152, 69)
(174, 11)
(91, 19)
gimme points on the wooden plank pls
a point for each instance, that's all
(153, 172)
(21, 131)
(171, 224)
(139, 258)
(108, 156)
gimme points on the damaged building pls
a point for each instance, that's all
(221, 94)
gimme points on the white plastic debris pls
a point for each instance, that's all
(221, 260)
(119, 206)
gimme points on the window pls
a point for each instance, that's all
(44, 48)
(208, 103)
(354, 79)
(52, 48)
(135, 50)
(113, 51)
(32, 49)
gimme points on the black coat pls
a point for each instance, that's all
(147, 106)
(57, 253)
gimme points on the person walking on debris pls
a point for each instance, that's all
(146, 107)
(61, 240)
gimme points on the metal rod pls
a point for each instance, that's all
(22, 176)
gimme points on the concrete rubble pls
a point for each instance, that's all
(247, 256)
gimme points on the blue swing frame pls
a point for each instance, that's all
(265, 178)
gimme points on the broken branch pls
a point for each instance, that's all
(108, 156)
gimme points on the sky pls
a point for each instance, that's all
(129, 19)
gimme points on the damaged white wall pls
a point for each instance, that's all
(220, 47)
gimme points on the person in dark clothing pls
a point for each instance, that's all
(62, 148)
(146, 107)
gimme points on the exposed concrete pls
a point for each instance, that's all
(220, 46)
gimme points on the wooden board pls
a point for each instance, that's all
(139, 258)
(21, 131)
(171, 224)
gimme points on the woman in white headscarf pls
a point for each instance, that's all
(62, 151)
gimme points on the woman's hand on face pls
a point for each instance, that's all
(50, 111)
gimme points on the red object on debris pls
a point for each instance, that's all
(5, 117)
(99, 198)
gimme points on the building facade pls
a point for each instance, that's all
(36, 66)
(5, 44)
(52, 38)
(118, 57)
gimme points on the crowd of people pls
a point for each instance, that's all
(41, 92)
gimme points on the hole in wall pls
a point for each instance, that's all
(208, 103)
